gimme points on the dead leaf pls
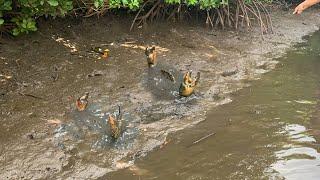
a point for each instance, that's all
(54, 122)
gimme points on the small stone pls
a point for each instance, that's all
(30, 136)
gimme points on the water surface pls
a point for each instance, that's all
(269, 131)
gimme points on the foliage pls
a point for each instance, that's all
(209, 4)
(131, 4)
(19, 16)
(22, 14)
(23, 25)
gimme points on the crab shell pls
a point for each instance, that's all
(185, 90)
(114, 127)
(81, 105)
(188, 85)
(82, 102)
(151, 56)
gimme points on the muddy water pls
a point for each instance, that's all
(269, 131)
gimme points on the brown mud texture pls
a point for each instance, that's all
(41, 75)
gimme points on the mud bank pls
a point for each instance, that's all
(43, 74)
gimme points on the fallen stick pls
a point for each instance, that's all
(30, 95)
(201, 139)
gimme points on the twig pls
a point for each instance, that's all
(30, 95)
(268, 17)
(174, 11)
(135, 18)
(201, 139)
(221, 19)
(209, 19)
(91, 14)
(143, 18)
(237, 16)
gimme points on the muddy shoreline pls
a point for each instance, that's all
(42, 75)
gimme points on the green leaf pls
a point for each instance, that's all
(191, 2)
(29, 25)
(53, 3)
(68, 3)
(15, 32)
(96, 4)
(34, 28)
(1, 21)
(7, 5)
(125, 2)
(15, 20)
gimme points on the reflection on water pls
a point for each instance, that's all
(298, 160)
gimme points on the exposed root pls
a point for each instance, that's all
(153, 12)
(236, 14)
(241, 14)
(137, 15)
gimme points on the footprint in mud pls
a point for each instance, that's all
(89, 129)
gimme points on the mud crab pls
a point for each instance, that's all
(188, 84)
(115, 124)
(82, 102)
(151, 56)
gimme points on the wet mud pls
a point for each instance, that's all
(43, 74)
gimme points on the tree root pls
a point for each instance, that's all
(150, 14)
(236, 14)
(241, 14)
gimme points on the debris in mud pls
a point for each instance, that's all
(168, 75)
(263, 66)
(82, 102)
(302, 101)
(2, 92)
(211, 56)
(131, 45)
(188, 45)
(95, 73)
(55, 76)
(122, 164)
(138, 171)
(201, 139)
(30, 136)
(54, 122)
(66, 43)
(257, 109)
(164, 143)
(97, 50)
(7, 77)
(30, 95)
(229, 73)
(188, 84)
(103, 52)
